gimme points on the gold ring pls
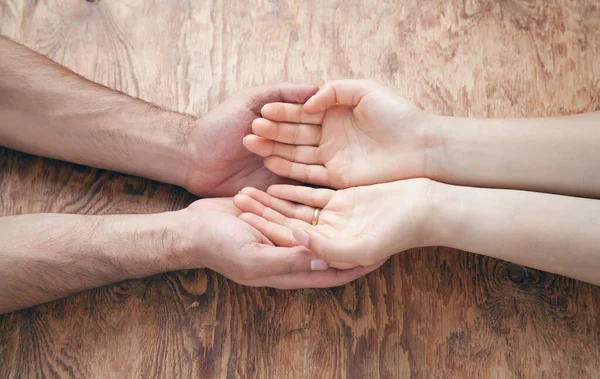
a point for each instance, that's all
(315, 219)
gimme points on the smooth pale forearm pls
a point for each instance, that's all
(47, 110)
(553, 233)
(554, 155)
(48, 256)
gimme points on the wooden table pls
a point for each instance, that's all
(426, 313)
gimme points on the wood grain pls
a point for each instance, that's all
(427, 313)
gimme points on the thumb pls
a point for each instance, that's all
(283, 92)
(346, 93)
(328, 249)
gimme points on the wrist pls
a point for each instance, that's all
(167, 146)
(194, 242)
(143, 245)
(180, 138)
(413, 209)
(460, 147)
(426, 211)
(446, 215)
(434, 146)
(187, 248)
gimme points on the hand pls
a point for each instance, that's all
(219, 164)
(351, 133)
(356, 226)
(224, 243)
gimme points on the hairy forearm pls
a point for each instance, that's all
(553, 233)
(554, 155)
(46, 109)
(48, 256)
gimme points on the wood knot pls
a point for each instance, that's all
(516, 273)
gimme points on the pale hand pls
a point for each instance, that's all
(358, 226)
(219, 240)
(350, 133)
(219, 165)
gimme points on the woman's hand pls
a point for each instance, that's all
(359, 226)
(350, 133)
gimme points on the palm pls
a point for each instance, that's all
(371, 137)
(362, 215)
(357, 226)
(233, 248)
(362, 145)
(219, 164)
(229, 237)
(342, 217)
(228, 228)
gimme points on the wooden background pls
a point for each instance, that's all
(426, 313)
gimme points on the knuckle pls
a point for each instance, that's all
(316, 132)
(265, 213)
(293, 154)
(314, 196)
(276, 128)
(296, 134)
(306, 172)
(291, 240)
(295, 207)
(317, 154)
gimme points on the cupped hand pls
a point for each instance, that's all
(350, 133)
(359, 226)
(219, 240)
(219, 164)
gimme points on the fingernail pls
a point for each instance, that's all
(318, 265)
(301, 236)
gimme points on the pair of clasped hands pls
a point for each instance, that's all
(361, 148)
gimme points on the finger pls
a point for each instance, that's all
(342, 265)
(276, 233)
(349, 250)
(282, 92)
(294, 134)
(315, 279)
(313, 197)
(247, 204)
(342, 92)
(313, 174)
(296, 93)
(265, 260)
(290, 113)
(286, 208)
(263, 179)
(265, 148)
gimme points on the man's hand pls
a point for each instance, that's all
(47, 256)
(219, 164)
(76, 120)
(351, 133)
(219, 240)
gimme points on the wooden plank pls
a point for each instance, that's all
(427, 312)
